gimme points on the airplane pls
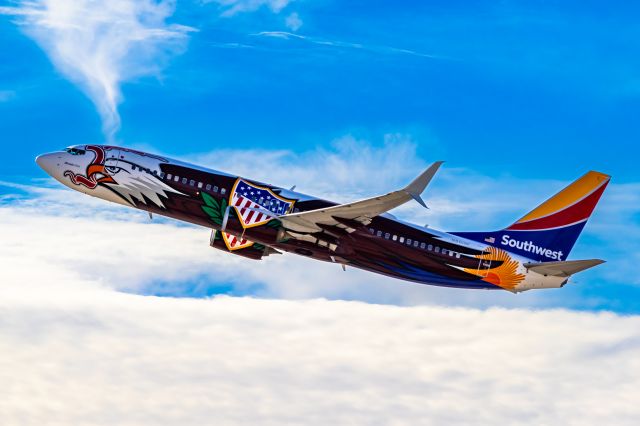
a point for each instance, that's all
(255, 220)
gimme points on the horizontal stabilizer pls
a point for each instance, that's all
(562, 269)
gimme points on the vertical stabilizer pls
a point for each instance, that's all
(550, 231)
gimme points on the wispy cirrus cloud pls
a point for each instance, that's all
(99, 45)
(233, 7)
(318, 41)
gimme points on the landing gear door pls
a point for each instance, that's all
(112, 157)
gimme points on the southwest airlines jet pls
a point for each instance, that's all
(254, 220)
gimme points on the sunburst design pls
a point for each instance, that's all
(506, 275)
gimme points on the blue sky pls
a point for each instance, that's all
(518, 97)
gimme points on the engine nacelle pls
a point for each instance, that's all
(255, 251)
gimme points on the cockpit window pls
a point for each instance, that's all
(75, 151)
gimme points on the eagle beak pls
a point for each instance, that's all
(99, 169)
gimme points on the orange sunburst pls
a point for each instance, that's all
(506, 275)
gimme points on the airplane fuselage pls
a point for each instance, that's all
(244, 213)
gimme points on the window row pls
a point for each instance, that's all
(184, 180)
(413, 243)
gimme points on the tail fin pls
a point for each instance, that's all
(550, 231)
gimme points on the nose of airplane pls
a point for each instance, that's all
(47, 162)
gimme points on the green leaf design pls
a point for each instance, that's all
(212, 208)
(209, 200)
(214, 214)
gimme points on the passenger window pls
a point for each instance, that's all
(176, 178)
(408, 241)
(208, 187)
(215, 189)
(379, 234)
(422, 246)
(402, 239)
(395, 237)
(169, 176)
(386, 236)
(457, 255)
(192, 182)
(184, 181)
(430, 247)
(415, 244)
(451, 253)
(437, 249)
(199, 185)
(223, 191)
(161, 175)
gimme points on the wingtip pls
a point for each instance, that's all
(419, 184)
(419, 199)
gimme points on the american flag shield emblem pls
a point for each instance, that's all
(257, 205)
(235, 243)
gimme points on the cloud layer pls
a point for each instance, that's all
(102, 358)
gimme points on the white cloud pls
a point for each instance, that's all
(293, 22)
(105, 358)
(99, 45)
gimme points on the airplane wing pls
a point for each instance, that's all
(359, 212)
(564, 268)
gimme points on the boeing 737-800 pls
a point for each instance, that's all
(254, 220)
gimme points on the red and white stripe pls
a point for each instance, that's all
(248, 211)
(235, 243)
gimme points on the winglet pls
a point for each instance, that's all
(417, 187)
